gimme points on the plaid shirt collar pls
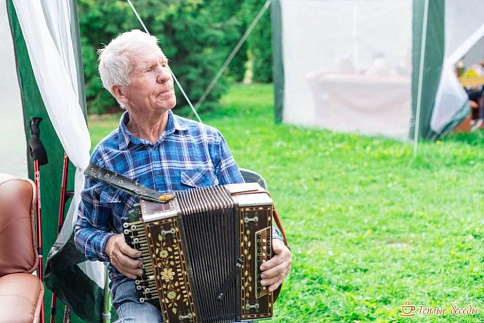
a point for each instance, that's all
(174, 123)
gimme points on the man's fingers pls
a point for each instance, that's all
(274, 286)
(278, 246)
(271, 280)
(123, 257)
(127, 266)
(273, 283)
(130, 272)
(274, 262)
(281, 254)
(274, 271)
(127, 250)
(128, 262)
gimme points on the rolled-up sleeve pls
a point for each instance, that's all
(92, 229)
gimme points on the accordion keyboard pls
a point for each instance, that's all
(135, 237)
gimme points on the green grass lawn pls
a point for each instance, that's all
(369, 226)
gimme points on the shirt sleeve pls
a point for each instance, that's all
(92, 230)
(226, 169)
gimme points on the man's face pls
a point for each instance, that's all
(151, 85)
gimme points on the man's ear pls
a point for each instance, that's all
(119, 93)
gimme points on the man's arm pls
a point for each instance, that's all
(92, 229)
(93, 236)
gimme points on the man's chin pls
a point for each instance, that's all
(169, 104)
(172, 103)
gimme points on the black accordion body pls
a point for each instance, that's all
(202, 253)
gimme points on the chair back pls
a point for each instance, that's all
(252, 177)
(18, 251)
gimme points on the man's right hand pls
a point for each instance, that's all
(123, 257)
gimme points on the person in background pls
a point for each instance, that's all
(476, 98)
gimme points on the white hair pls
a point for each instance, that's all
(114, 65)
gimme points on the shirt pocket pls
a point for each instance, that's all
(198, 177)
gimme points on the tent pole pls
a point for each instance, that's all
(39, 156)
(420, 79)
(60, 222)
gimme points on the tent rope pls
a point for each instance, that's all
(420, 79)
(233, 53)
(172, 74)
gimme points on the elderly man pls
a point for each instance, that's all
(159, 150)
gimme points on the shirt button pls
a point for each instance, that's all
(159, 174)
(156, 148)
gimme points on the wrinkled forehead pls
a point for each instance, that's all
(143, 55)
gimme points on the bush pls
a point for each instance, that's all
(196, 40)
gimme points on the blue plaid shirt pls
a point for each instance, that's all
(188, 154)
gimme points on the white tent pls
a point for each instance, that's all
(378, 67)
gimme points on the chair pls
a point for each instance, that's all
(252, 177)
(21, 293)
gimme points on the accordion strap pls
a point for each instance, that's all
(126, 184)
(279, 225)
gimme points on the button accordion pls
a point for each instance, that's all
(202, 253)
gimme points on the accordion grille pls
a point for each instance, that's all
(209, 225)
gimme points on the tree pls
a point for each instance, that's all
(191, 36)
(259, 42)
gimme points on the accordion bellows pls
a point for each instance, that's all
(202, 252)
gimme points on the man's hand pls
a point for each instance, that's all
(277, 268)
(123, 257)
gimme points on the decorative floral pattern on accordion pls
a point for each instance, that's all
(171, 273)
(250, 222)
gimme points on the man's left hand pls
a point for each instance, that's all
(277, 268)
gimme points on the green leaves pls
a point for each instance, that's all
(196, 35)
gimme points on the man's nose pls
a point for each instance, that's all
(163, 74)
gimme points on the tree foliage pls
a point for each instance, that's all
(259, 42)
(196, 36)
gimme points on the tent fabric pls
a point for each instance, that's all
(55, 74)
(347, 65)
(277, 58)
(475, 54)
(462, 31)
(12, 135)
(432, 63)
(46, 41)
(339, 58)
